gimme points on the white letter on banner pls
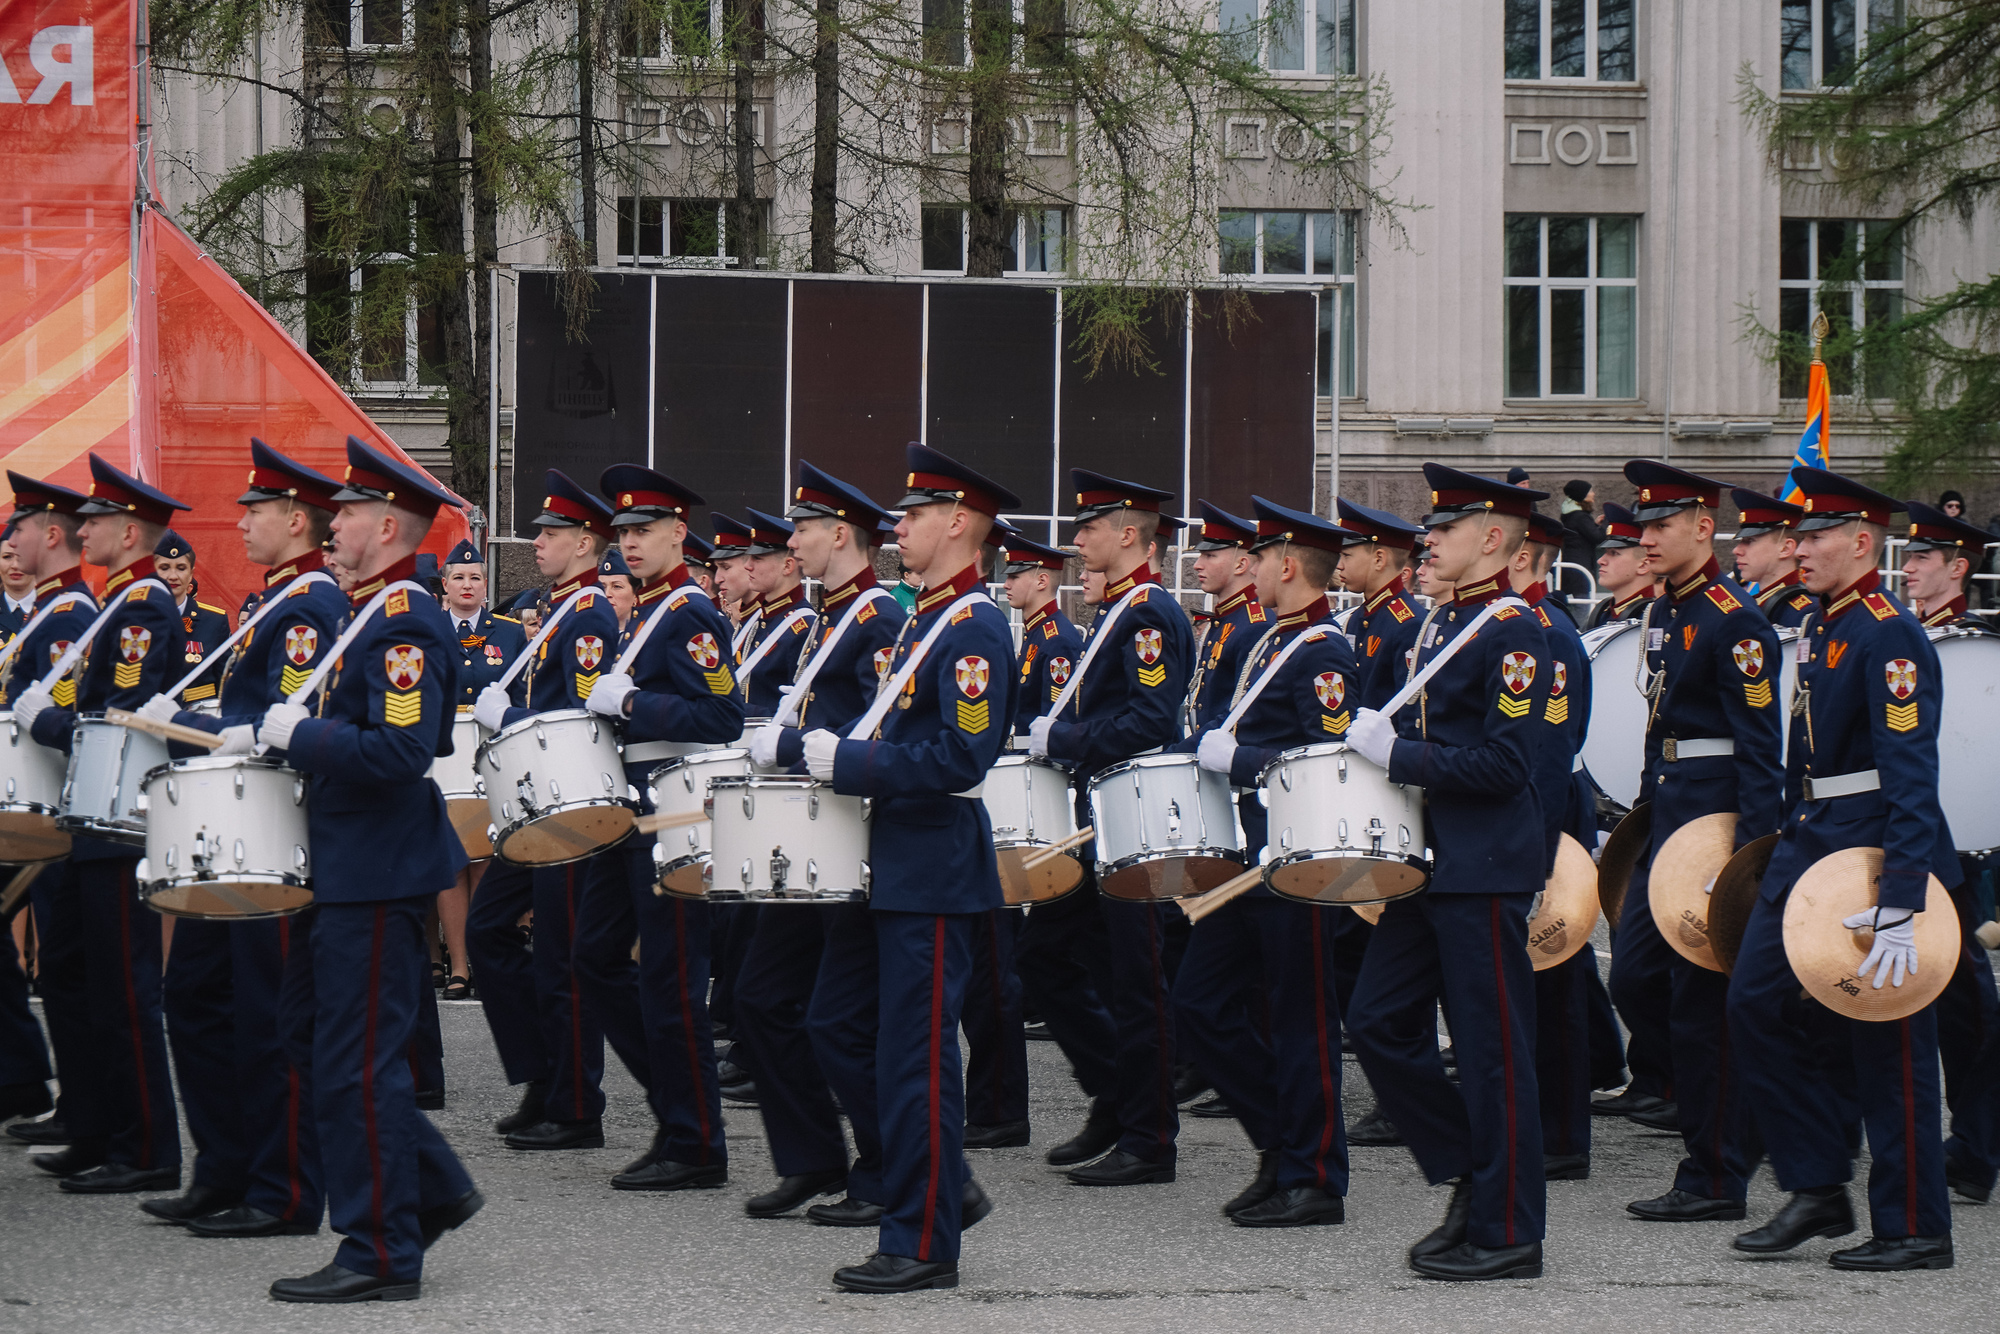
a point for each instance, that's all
(76, 71)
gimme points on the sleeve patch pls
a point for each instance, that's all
(720, 682)
(585, 683)
(1723, 598)
(1757, 694)
(1153, 677)
(973, 717)
(589, 652)
(1558, 711)
(1517, 670)
(195, 694)
(1334, 723)
(1749, 656)
(962, 614)
(1901, 717)
(1257, 616)
(1901, 674)
(1331, 690)
(1148, 645)
(301, 642)
(866, 613)
(402, 708)
(971, 674)
(1513, 707)
(705, 652)
(883, 657)
(1139, 596)
(405, 665)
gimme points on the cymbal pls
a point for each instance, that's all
(1735, 895)
(1620, 857)
(1567, 911)
(1827, 957)
(1682, 869)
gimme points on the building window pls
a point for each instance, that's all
(364, 320)
(1571, 39)
(689, 30)
(686, 232)
(1315, 248)
(1820, 40)
(1035, 244)
(1312, 37)
(1829, 265)
(358, 23)
(1572, 307)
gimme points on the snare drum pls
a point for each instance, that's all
(1614, 749)
(107, 764)
(226, 838)
(1340, 831)
(457, 777)
(785, 838)
(555, 788)
(31, 786)
(680, 787)
(1165, 829)
(1969, 657)
(1030, 804)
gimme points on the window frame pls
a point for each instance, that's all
(721, 259)
(1592, 49)
(1590, 284)
(1021, 216)
(357, 20)
(1347, 18)
(1339, 291)
(1864, 27)
(1855, 290)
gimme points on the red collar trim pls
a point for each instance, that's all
(119, 578)
(406, 568)
(957, 586)
(1536, 593)
(795, 597)
(852, 589)
(1953, 610)
(588, 579)
(73, 575)
(1143, 575)
(1699, 579)
(663, 585)
(1240, 598)
(1315, 610)
(1486, 590)
(306, 564)
(1385, 592)
(1852, 594)
(1038, 615)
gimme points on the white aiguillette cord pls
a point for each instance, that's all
(770, 641)
(672, 603)
(541, 637)
(794, 702)
(1098, 635)
(54, 606)
(75, 651)
(887, 695)
(270, 604)
(1270, 674)
(1450, 650)
(348, 636)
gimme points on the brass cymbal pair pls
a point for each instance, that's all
(1564, 916)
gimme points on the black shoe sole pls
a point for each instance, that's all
(699, 1183)
(930, 1284)
(1317, 1220)
(1928, 1262)
(1518, 1271)
(402, 1292)
(1163, 1177)
(1834, 1230)
(282, 1230)
(1736, 1214)
(587, 1142)
(821, 1221)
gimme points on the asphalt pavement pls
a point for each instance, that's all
(557, 1250)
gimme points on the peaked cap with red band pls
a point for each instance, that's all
(1098, 495)
(1621, 528)
(372, 475)
(732, 536)
(1931, 529)
(113, 491)
(1832, 500)
(1763, 514)
(821, 495)
(1221, 530)
(1665, 489)
(1543, 529)
(275, 477)
(1278, 523)
(641, 495)
(38, 497)
(1377, 526)
(567, 505)
(935, 479)
(1456, 494)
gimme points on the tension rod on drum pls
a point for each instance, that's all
(1058, 849)
(188, 736)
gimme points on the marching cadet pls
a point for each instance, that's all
(678, 688)
(1871, 697)
(1471, 745)
(547, 1039)
(1622, 575)
(787, 619)
(121, 523)
(808, 994)
(1939, 558)
(44, 524)
(1712, 741)
(732, 583)
(383, 849)
(247, 1095)
(929, 737)
(1051, 645)
(1296, 688)
(24, 1052)
(203, 626)
(1130, 706)
(1563, 996)
(1227, 573)
(1767, 556)
(700, 556)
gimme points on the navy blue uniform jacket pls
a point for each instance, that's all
(931, 851)
(571, 657)
(845, 684)
(1384, 634)
(1567, 804)
(1051, 647)
(1130, 700)
(1786, 603)
(62, 627)
(686, 688)
(1478, 730)
(1874, 697)
(484, 654)
(1234, 628)
(203, 627)
(384, 713)
(764, 685)
(277, 656)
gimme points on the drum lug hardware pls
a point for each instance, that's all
(173, 791)
(610, 785)
(867, 877)
(1173, 822)
(1285, 777)
(525, 790)
(812, 805)
(541, 738)
(173, 857)
(1340, 830)
(781, 866)
(555, 792)
(298, 792)
(298, 857)
(241, 854)
(749, 809)
(812, 874)
(239, 785)
(749, 873)
(1285, 839)
(1340, 767)
(1376, 831)
(10, 789)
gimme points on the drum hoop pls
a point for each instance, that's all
(1294, 858)
(1177, 759)
(1617, 629)
(214, 763)
(819, 898)
(29, 808)
(1139, 858)
(773, 780)
(731, 753)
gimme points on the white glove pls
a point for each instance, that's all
(490, 709)
(32, 701)
(764, 746)
(608, 695)
(820, 747)
(236, 740)
(160, 708)
(279, 720)
(1038, 736)
(1372, 736)
(1217, 751)
(789, 709)
(1895, 951)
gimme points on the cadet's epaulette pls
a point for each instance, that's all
(1722, 598)
(1543, 617)
(299, 589)
(585, 602)
(962, 614)
(1257, 615)
(867, 611)
(1878, 602)
(398, 603)
(1399, 611)
(217, 610)
(1506, 613)
(1801, 600)
(1048, 629)
(1139, 595)
(138, 594)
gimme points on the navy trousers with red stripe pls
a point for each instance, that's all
(24, 1052)
(198, 996)
(1642, 986)
(1471, 952)
(353, 987)
(996, 1068)
(1142, 1016)
(1285, 1091)
(1804, 1123)
(274, 1083)
(773, 990)
(1061, 956)
(926, 964)
(529, 997)
(1562, 1051)
(1968, 1018)
(844, 1021)
(121, 942)
(654, 1013)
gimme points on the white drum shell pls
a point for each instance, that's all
(680, 787)
(107, 765)
(1164, 808)
(555, 788)
(31, 788)
(1029, 802)
(1970, 661)
(226, 838)
(457, 774)
(1326, 804)
(784, 838)
(1615, 749)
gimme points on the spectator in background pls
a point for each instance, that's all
(527, 609)
(614, 576)
(1952, 504)
(1581, 536)
(1518, 476)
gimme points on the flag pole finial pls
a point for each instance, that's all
(1822, 328)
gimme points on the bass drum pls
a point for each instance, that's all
(1970, 660)
(1614, 751)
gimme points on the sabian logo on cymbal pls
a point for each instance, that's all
(1693, 930)
(1549, 940)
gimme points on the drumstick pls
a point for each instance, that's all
(653, 824)
(1059, 848)
(17, 887)
(191, 736)
(1198, 908)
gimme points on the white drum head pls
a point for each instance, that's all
(1967, 761)
(1615, 750)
